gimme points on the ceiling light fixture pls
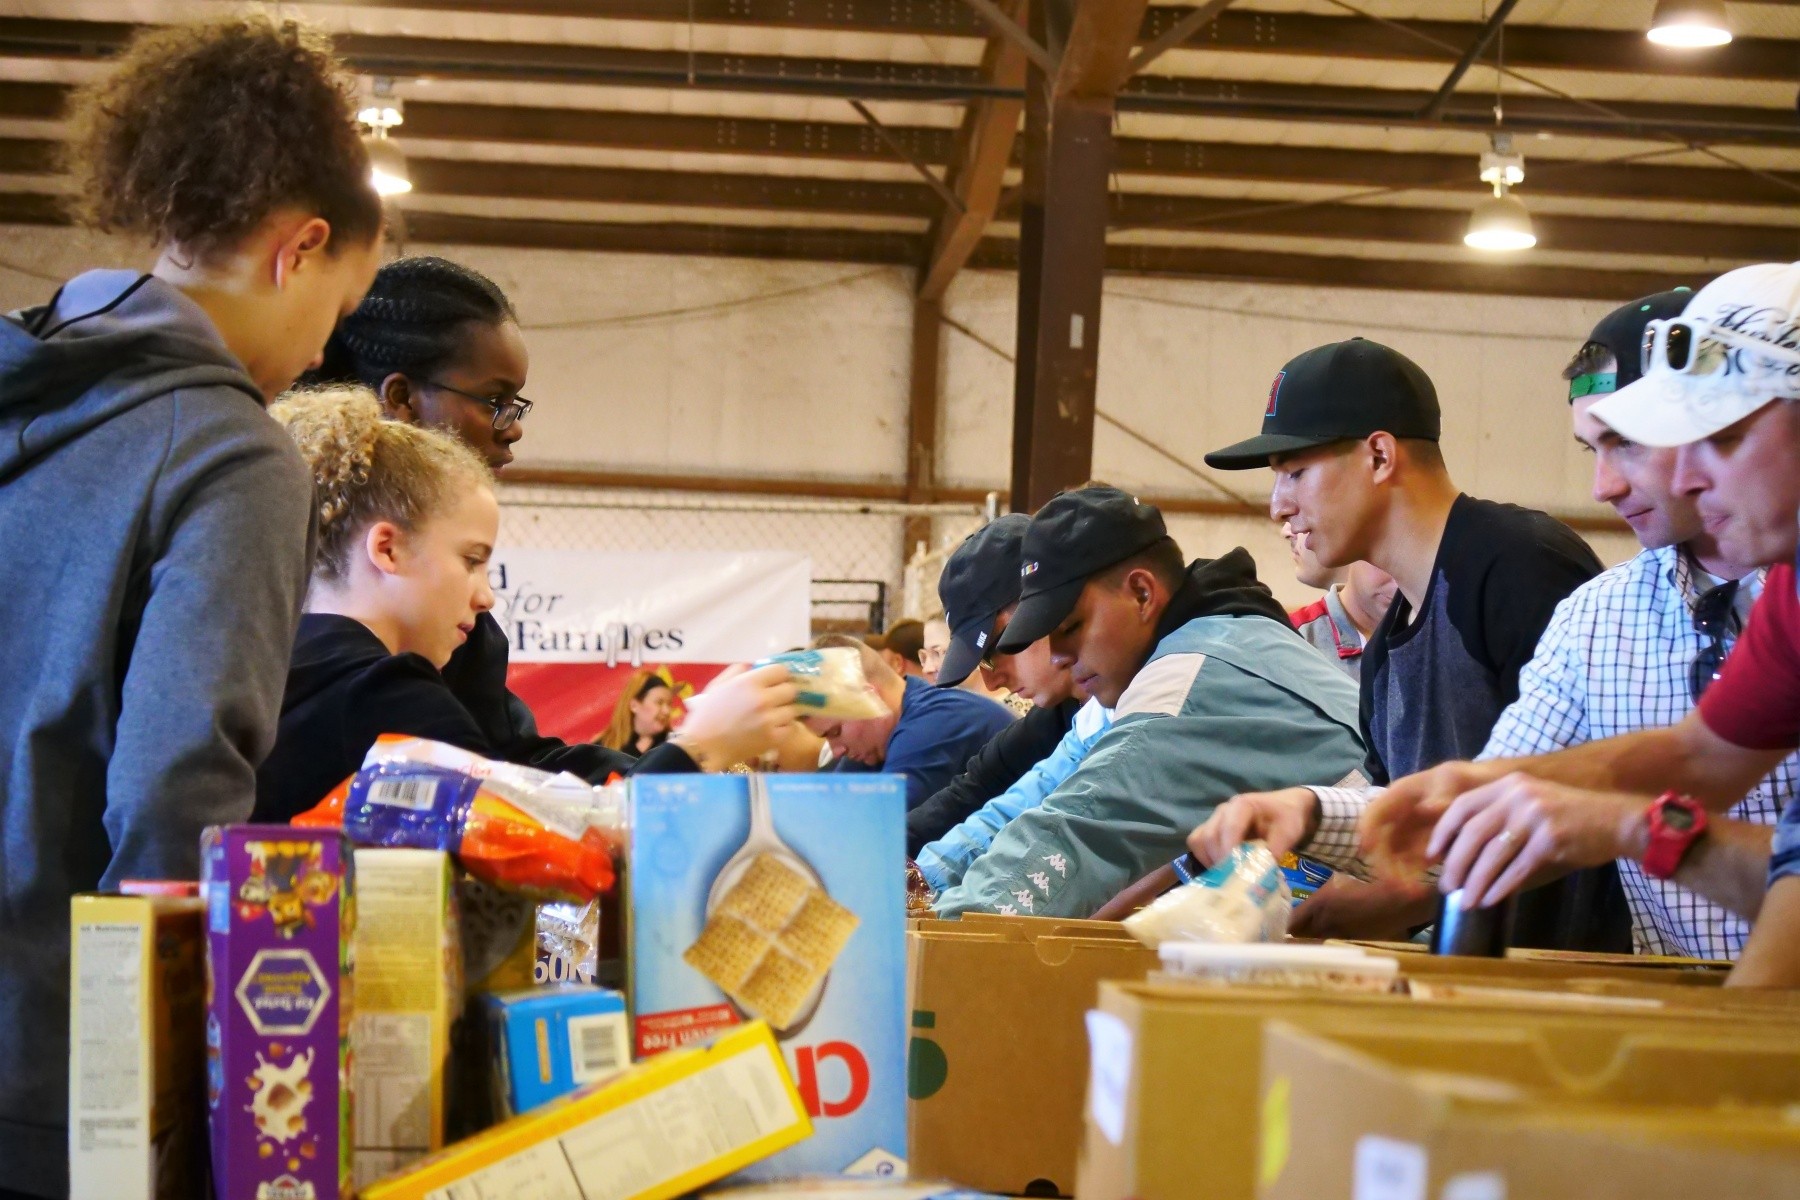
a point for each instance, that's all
(1689, 24)
(1501, 222)
(379, 111)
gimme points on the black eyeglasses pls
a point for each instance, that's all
(507, 412)
(1712, 621)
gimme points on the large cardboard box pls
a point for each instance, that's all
(659, 1129)
(998, 1061)
(779, 897)
(1396, 1112)
(409, 992)
(137, 1054)
(1177, 1066)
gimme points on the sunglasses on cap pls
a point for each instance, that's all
(1695, 346)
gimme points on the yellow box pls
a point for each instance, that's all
(671, 1124)
(408, 995)
(137, 1052)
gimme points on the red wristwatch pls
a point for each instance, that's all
(1676, 823)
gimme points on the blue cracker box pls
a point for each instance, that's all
(546, 1042)
(781, 897)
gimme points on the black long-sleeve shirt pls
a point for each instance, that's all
(345, 689)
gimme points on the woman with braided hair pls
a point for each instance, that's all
(407, 521)
(439, 345)
(161, 519)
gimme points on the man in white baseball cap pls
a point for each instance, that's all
(1722, 382)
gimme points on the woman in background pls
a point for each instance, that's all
(642, 718)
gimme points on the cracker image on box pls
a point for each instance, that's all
(771, 940)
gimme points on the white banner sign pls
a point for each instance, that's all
(626, 609)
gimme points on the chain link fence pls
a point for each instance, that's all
(865, 574)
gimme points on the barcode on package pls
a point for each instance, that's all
(596, 1046)
(415, 794)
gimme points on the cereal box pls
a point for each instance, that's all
(408, 995)
(549, 1041)
(280, 914)
(137, 1091)
(780, 898)
(658, 1130)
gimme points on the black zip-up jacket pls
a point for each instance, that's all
(994, 768)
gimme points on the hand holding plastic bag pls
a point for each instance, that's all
(1244, 898)
(831, 683)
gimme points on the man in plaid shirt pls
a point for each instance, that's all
(1631, 649)
(1635, 648)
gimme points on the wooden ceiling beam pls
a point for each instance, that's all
(983, 149)
(1319, 270)
(876, 248)
(774, 74)
(804, 195)
(756, 137)
(1310, 34)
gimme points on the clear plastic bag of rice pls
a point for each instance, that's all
(1243, 898)
(831, 682)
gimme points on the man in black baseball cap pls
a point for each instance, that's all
(979, 588)
(1334, 393)
(980, 581)
(1024, 763)
(1351, 431)
(1211, 685)
(1074, 537)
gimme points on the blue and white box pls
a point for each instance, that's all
(547, 1042)
(837, 843)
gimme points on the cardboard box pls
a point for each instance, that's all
(662, 1128)
(1171, 1059)
(550, 1041)
(280, 916)
(137, 1019)
(806, 895)
(998, 1061)
(408, 996)
(1394, 1111)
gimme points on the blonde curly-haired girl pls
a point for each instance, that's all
(407, 524)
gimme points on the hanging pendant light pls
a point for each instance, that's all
(387, 166)
(380, 112)
(1689, 24)
(1501, 221)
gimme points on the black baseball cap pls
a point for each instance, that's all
(1071, 539)
(1621, 331)
(979, 581)
(1334, 393)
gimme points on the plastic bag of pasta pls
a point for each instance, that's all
(831, 683)
(551, 837)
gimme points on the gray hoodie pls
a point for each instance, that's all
(157, 528)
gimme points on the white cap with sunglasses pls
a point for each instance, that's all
(1733, 349)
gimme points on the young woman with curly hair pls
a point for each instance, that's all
(407, 522)
(159, 519)
(439, 345)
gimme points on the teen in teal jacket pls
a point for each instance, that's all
(1226, 704)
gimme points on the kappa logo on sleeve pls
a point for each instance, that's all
(1274, 393)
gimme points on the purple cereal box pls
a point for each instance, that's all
(280, 911)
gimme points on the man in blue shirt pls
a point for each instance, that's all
(928, 735)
